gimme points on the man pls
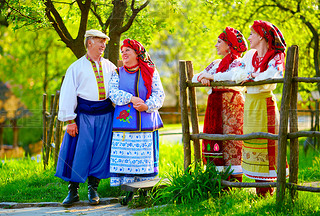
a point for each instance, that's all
(84, 105)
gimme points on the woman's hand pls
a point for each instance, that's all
(205, 82)
(254, 75)
(205, 76)
(244, 81)
(250, 77)
(72, 129)
(135, 100)
(141, 106)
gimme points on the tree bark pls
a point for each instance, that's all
(116, 22)
(76, 45)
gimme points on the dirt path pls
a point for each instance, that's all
(78, 209)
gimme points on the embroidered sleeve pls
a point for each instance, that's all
(119, 97)
(275, 69)
(68, 96)
(211, 69)
(157, 96)
(244, 71)
(227, 75)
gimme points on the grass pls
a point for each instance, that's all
(309, 163)
(241, 202)
(25, 180)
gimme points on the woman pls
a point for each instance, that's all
(224, 113)
(265, 60)
(137, 91)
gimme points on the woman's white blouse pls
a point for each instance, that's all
(224, 76)
(274, 70)
(120, 97)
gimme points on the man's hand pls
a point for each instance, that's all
(141, 107)
(72, 129)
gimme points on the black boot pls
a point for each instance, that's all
(93, 196)
(73, 195)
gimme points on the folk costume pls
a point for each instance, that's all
(84, 101)
(135, 141)
(224, 113)
(260, 109)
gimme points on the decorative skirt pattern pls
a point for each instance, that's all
(260, 155)
(224, 115)
(134, 157)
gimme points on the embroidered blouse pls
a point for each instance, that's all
(120, 97)
(274, 70)
(80, 81)
(221, 76)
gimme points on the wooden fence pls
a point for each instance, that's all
(288, 110)
(52, 129)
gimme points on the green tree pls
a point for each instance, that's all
(32, 63)
(63, 15)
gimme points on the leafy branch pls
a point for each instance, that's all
(135, 12)
(19, 12)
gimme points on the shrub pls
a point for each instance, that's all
(190, 186)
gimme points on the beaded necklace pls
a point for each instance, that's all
(132, 69)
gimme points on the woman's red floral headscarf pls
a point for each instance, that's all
(275, 40)
(145, 63)
(237, 45)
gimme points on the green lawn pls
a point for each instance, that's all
(25, 180)
(244, 203)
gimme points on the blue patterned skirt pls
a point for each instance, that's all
(134, 157)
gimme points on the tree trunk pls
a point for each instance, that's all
(112, 53)
(77, 47)
(117, 18)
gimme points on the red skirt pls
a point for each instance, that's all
(224, 115)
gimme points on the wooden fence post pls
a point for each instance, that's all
(184, 115)
(283, 130)
(44, 138)
(57, 135)
(50, 127)
(15, 129)
(316, 125)
(294, 143)
(1, 136)
(194, 115)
